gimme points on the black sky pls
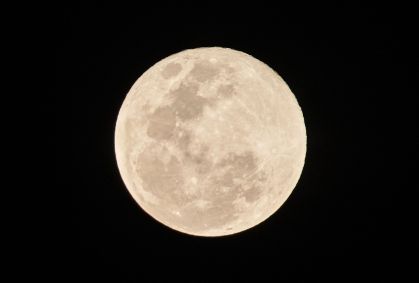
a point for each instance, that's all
(355, 78)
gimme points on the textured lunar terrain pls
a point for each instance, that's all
(210, 141)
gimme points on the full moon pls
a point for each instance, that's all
(210, 141)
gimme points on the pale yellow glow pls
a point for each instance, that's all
(210, 141)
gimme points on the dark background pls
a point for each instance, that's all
(354, 74)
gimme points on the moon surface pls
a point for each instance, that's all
(210, 141)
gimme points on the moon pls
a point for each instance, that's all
(210, 141)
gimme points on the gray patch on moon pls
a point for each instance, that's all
(159, 178)
(187, 104)
(199, 159)
(171, 70)
(225, 91)
(239, 164)
(161, 123)
(204, 71)
(252, 194)
(182, 139)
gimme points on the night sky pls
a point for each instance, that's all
(352, 71)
